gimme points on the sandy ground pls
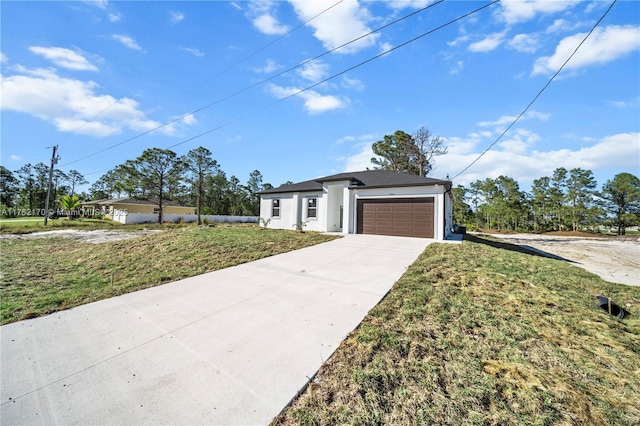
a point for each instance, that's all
(614, 260)
(94, 237)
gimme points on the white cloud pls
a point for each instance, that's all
(314, 102)
(345, 139)
(64, 58)
(516, 159)
(115, 17)
(459, 66)
(71, 104)
(263, 17)
(176, 17)
(361, 145)
(14, 157)
(414, 4)
(603, 46)
(514, 11)
(3, 58)
(189, 119)
(102, 4)
(385, 47)
(127, 41)
(352, 83)
(519, 142)
(625, 104)
(343, 23)
(193, 51)
(361, 160)
(269, 67)
(489, 43)
(462, 39)
(620, 150)
(235, 5)
(268, 24)
(314, 71)
(526, 43)
(501, 123)
(515, 146)
(458, 146)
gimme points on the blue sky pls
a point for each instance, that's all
(90, 76)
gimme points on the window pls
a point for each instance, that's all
(275, 208)
(312, 208)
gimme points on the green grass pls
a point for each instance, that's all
(482, 333)
(43, 275)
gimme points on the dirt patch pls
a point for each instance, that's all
(97, 236)
(613, 259)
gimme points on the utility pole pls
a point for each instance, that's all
(54, 161)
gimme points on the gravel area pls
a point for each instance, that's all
(613, 259)
(97, 236)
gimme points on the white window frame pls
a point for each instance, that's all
(314, 208)
(275, 201)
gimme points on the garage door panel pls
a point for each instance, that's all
(410, 217)
(384, 210)
(403, 209)
(384, 217)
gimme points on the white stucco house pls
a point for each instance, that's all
(368, 202)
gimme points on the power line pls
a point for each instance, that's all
(343, 72)
(540, 92)
(217, 75)
(262, 82)
(388, 51)
(278, 39)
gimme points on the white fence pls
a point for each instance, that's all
(128, 218)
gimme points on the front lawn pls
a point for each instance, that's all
(482, 333)
(44, 275)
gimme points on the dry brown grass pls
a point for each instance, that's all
(44, 275)
(476, 334)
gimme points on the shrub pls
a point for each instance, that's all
(301, 225)
(265, 222)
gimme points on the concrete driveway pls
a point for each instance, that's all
(228, 347)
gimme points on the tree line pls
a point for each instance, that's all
(26, 188)
(569, 200)
(194, 179)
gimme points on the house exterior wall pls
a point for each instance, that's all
(293, 210)
(311, 223)
(286, 218)
(337, 196)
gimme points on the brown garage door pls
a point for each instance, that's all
(407, 217)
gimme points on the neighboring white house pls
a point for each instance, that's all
(368, 202)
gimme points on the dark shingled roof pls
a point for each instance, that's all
(365, 179)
